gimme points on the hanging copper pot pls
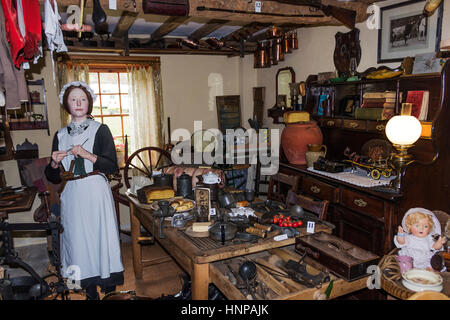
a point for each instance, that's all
(293, 41)
(261, 56)
(273, 32)
(270, 51)
(280, 49)
(286, 46)
(276, 50)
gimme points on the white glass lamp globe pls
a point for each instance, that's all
(403, 130)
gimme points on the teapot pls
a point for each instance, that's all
(314, 152)
(210, 178)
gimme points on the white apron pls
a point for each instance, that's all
(90, 245)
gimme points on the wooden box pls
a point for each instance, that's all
(341, 257)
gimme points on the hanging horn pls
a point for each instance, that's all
(81, 17)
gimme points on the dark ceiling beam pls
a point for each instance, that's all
(125, 22)
(167, 27)
(245, 32)
(207, 28)
(359, 6)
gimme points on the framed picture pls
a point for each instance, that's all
(405, 31)
(348, 106)
(228, 112)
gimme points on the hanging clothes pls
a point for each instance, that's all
(29, 22)
(13, 35)
(12, 80)
(52, 28)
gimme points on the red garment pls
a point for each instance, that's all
(32, 17)
(13, 35)
(22, 49)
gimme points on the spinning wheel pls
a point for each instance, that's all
(144, 161)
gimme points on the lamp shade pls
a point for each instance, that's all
(403, 130)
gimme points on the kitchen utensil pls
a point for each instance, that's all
(184, 185)
(222, 231)
(163, 180)
(226, 200)
(249, 195)
(247, 270)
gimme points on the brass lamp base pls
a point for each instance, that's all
(400, 161)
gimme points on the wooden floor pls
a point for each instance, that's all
(160, 279)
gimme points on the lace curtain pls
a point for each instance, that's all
(146, 112)
(74, 72)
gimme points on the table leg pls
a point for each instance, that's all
(136, 247)
(200, 281)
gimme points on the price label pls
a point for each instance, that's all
(258, 6)
(112, 4)
(310, 227)
(212, 212)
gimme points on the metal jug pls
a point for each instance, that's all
(184, 185)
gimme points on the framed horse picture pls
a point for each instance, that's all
(405, 31)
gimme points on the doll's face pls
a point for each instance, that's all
(421, 228)
(78, 103)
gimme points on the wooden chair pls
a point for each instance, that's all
(319, 207)
(277, 186)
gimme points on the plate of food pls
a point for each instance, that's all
(179, 204)
(421, 280)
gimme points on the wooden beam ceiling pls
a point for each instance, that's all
(126, 21)
(207, 28)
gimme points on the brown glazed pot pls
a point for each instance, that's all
(296, 137)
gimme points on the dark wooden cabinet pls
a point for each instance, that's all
(363, 216)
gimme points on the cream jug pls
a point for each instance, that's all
(314, 152)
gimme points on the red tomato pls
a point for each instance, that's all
(288, 218)
(300, 223)
(285, 224)
(289, 224)
(280, 223)
(275, 220)
(281, 215)
(295, 224)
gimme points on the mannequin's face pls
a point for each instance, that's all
(421, 228)
(78, 103)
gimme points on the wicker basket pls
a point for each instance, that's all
(391, 278)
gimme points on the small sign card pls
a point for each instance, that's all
(310, 227)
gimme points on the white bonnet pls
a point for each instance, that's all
(437, 224)
(76, 84)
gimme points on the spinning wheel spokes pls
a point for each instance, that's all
(142, 161)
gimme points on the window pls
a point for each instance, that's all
(112, 106)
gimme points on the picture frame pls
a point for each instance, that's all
(405, 32)
(228, 112)
(348, 105)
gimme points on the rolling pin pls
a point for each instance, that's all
(256, 232)
(262, 227)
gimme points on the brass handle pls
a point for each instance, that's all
(330, 123)
(315, 189)
(380, 127)
(353, 125)
(360, 203)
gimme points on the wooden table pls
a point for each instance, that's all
(194, 260)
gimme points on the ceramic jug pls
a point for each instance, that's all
(314, 152)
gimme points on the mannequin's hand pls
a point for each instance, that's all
(80, 151)
(400, 238)
(57, 157)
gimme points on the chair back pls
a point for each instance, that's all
(319, 207)
(278, 184)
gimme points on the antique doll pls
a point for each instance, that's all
(90, 245)
(416, 237)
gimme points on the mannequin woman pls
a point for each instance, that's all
(90, 246)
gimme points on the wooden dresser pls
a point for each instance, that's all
(363, 216)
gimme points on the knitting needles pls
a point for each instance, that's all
(68, 150)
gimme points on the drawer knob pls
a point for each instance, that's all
(380, 127)
(315, 189)
(353, 125)
(360, 203)
(330, 123)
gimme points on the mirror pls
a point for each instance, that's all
(283, 96)
(6, 146)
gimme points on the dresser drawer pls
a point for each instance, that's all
(320, 189)
(362, 203)
(355, 124)
(376, 126)
(331, 123)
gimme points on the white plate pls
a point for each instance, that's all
(420, 280)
